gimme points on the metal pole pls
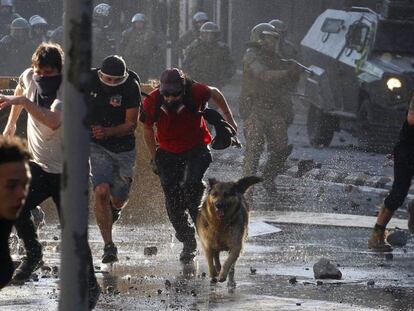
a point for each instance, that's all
(74, 268)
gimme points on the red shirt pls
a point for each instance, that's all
(180, 131)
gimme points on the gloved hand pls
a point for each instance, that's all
(154, 167)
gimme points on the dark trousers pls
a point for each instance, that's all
(44, 185)
(403, 173)
(181, 179)
(6, 264)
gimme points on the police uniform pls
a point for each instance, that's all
(139, 49)
(15, 55)
(211, 64)
(266, 110)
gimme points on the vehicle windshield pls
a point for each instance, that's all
(395, 37)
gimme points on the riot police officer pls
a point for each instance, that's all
(16, 49)
(185, 40)
(264, 105)
(207, 59)
(39, 27)
(286, 48)
(139, 46)
(103, 39)
(6, 16)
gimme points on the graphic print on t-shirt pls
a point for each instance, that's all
(116, 100)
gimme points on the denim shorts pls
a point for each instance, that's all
(115, 169)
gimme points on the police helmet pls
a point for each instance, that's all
(139, 17)
(101, 10)
(263, 29)
(37, 20)
(6, 3)
(210, 27)
(200, 17)
(19, 23)
(279, 25)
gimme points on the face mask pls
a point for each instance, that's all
(47, 85)
(173, 105)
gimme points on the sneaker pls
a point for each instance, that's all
(116, 213)
(94, 291)
(411, 217)
(377, 242)
(110, 253)
(189, 252)
(26, 268)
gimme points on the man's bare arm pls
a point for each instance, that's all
(15, 111)
(221, 102)
(149, 137)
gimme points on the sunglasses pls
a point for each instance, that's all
(173, 94)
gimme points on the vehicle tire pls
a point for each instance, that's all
(321, 127)
(372, 137)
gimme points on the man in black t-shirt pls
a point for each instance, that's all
(115, 99)
(14, 185)
(403, 173)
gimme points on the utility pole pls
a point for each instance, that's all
(77, 47)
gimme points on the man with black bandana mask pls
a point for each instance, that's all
(38, 93)
(115, 98)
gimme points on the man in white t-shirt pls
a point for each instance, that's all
(37, 93)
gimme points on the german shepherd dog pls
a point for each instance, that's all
(222, 224)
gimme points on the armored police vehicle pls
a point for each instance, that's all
(362, 73)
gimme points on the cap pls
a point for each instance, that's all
(114, 65)
(172, 81)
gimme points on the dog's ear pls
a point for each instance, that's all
(212, 182)
(246, 182)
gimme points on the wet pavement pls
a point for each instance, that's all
(305, 220)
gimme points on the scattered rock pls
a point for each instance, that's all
(203, 275)
(389, 256)
(319, 283)
(348, 188)
(318, 165)
(45, 269)
(167, 283)
(293, 280)
(159, 292)
(305, 166)
(127, 257)
(55, 238)
(150, 251)
(253, 271)
(35, 277)
(371, 283)
(397, 237)
(193, 293)
(298, 304)
(324, 269)
(354, 205)
(109, 289)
